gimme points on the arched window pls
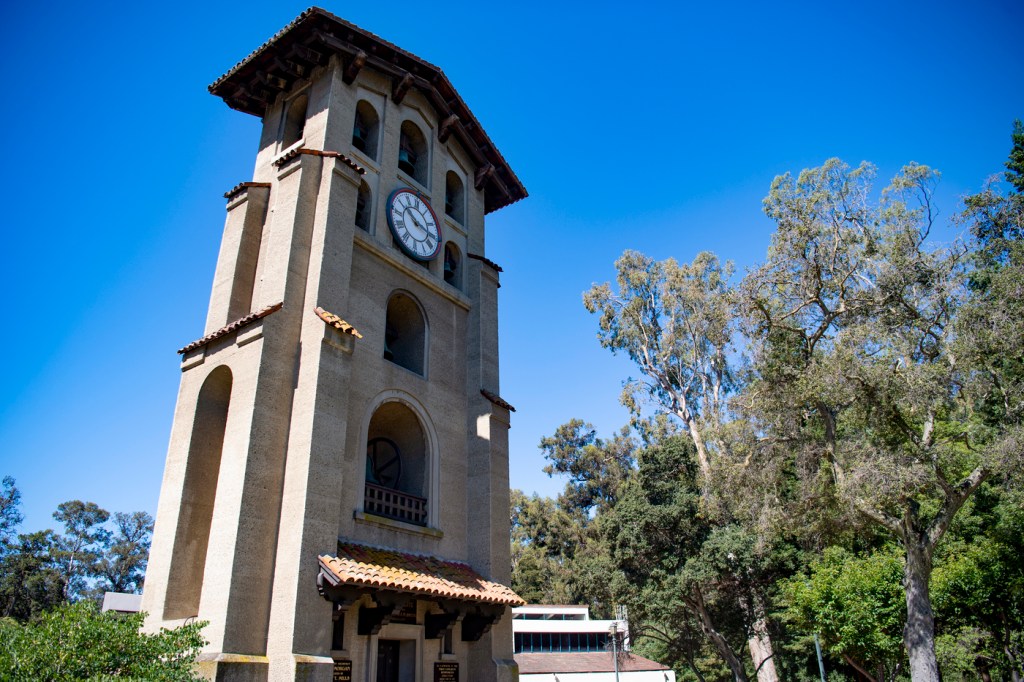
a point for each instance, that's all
(295, 121)
(454, 197)
(405, 334)
(192, 537)
(413, 153)
(364, 206)
(365, 129)
(397, 465)
(452, 265)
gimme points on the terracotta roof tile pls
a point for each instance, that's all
(583, 662)
(337, 322)
(388, 569)
(294, 153)
(237, 189)
(231, 327)
(485, 260)
(496, 399)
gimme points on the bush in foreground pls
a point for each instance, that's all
(78, 642)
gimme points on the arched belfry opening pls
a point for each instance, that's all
(295, 121)
(192, 536)
(366, 129)
(413, 154)
(397, 464)
(405, 334)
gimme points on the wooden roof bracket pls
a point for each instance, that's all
(399, 90)
(483, 174)
(353, 68)
(444, 131)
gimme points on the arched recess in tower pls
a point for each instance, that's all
(397, 464)
(188, 561)
(405, 333)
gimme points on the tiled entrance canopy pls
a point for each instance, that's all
(389, 570)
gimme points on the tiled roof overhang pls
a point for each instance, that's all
(582, 662)
(308, 41)
(365, 567)
(230, 328)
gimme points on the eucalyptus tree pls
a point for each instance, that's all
(679, 324)
(852, 322)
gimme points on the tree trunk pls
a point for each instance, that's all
(919, 633)
(708, 627)
(760, 645)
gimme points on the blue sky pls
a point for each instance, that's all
(653, 126)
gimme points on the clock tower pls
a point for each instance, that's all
(335, 497)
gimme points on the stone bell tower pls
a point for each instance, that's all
(335, 498)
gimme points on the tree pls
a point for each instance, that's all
(121, 566)
(856, 604)
(1015, 165)
(852, 321)
(77, 642)
(78, 550)
(10, 512)
(678, 323)
(30, 581)
(595, 467)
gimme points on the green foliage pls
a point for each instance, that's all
(30, 580)
(77, 642)
(10, 514)
(121, 566)
(1015, 164)
(855, 603)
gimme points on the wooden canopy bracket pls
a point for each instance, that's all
(436, 625)
(483, 174)
(372, 619)
(354, 67)
(444, 131)
(340, 595)
(478, 622)
(399, 90)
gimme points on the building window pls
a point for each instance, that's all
(396, 465)
(412, 153)
(405, 334)
(452, 265)
(364, 206)
(365, 129)
(454, 197)
(295, 121)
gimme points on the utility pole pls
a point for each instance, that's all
(613, 631)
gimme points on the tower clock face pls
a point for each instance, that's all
(414, 224)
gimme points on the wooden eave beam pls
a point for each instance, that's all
(272, 80)
(331, 42)
(289, 67)
(401, 88)
(306, 54)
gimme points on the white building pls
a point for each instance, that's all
(562, 644)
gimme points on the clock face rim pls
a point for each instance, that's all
(417, 196)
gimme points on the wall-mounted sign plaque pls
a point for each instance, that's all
(446, 671)
(342, 670)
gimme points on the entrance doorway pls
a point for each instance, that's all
(396, 660)
(388, 660)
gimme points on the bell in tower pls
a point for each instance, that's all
(346, 382)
